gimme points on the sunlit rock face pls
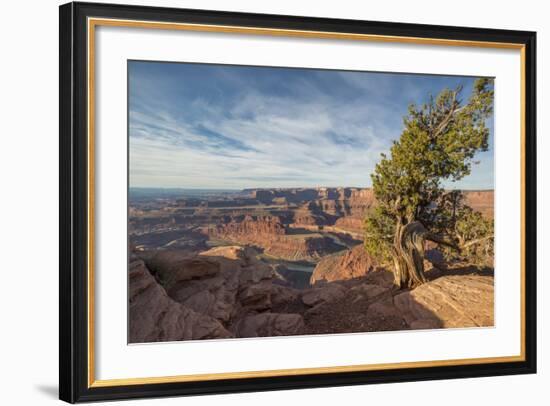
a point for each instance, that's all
(350, 264)
(268, 262)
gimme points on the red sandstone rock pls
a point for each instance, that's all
(227, 291)
(323, 294)
(282, 295)
(449, 301)
(353, 263)
(269, 324)
(175, 266)
(233, 283)
(229, 252)
(271, 235)
(369, 290)
(250, 226)
(351, 223)
(482, 201)
(153, 316)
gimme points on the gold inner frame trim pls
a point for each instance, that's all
(94, 22)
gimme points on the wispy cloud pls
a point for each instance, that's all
(212, 126)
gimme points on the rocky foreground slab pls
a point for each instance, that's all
(227, 292)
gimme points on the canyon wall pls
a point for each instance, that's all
(269, 233)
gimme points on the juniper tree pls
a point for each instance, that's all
(438, 143)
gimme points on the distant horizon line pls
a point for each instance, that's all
(281, 188)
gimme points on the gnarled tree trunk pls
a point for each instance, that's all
(408, 255)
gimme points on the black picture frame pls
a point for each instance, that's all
(74, 199)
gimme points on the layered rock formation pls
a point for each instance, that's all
(251, 226)
(310, 215)
(296, 195)
(446, 302)
(482, 201)
(370, 304)
(217, 294)
(154, 316)
(226, 292)
(269, 325)
(182, 289)
(349, 264)
(343, 207)
(160, 224)
(270, 234)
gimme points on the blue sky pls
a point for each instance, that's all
(234, 127)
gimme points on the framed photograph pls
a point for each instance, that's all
(256, 202)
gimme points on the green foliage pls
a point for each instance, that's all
(452, 217)
(379, 228)
(443, 213)
(439, 141)
(471, 226)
